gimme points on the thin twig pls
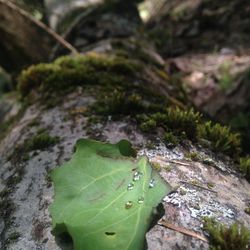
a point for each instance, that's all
(56, 36)
(199, 186)
(179, 162)
(172, 161)
(182, 230)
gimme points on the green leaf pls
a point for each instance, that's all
(100, 202)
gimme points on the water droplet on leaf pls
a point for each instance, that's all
(130, 186)
(137, 176)
(140, 200)
(151, 183)
(128, 204)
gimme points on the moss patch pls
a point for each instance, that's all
(245, 167)
(247, 210)
(174, 120)
(120, 89)
(119, 102)
(221, 138)
(41, 141)
(227, 238)
(180, 125)
(67, 72)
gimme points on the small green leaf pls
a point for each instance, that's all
(105, 199)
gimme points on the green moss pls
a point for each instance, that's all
(148, 126)
(34, 123)
(188, 124)
(174, 120)
(170, 139)
(210, 185)
(194, 182)
(156, 166)
(245, 167)
(14, 236)
(167, 168)
(36, 76)
(194, 156)
(226, 238)
(150, 145)
(41, 141)
(68, 72)
(221, 138)
(119, 103)
(225, 78)
(182, 121)
(247, 210)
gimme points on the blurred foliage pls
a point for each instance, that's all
(36, 8)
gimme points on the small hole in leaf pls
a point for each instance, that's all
(110, 233)
(65, 241)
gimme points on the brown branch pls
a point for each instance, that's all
(52, 33)
(173, 161)
(182, 230)
(199, 186)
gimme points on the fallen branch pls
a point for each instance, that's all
(36, 22)
(182, 230)
(199, 186)
(173, 161)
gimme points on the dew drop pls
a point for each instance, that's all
(140, 200)
(128, 204)
(151, 183)
(137, 176)
(130, 186)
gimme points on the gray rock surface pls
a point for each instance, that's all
(191, 199)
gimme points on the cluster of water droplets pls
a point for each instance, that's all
(136, 177)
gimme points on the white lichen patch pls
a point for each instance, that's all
(199, 203)
(162, 152)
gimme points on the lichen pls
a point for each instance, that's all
(226, 238)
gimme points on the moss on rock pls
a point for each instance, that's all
(221, 138)
(227, 238)
(41, 141)
(68, 72)
(245, 167)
